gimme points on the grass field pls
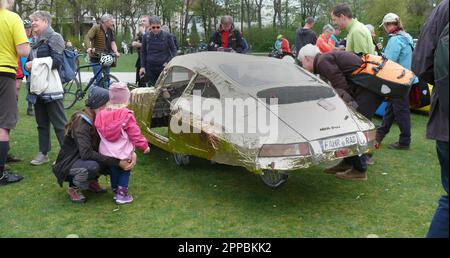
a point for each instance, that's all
(125, 63)
(205, 200)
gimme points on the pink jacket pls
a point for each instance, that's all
(119, 133)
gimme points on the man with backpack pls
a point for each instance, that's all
(430, 63)
(157, 49)
(337, 67)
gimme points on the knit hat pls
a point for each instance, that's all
(119, 93)
(97, 97)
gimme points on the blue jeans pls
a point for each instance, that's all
(96, 68)
(119, 177)
(439, 224)
(397, 110)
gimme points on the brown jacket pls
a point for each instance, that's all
(337, 67)
(99, 39)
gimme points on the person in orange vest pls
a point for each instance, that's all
(325, 43)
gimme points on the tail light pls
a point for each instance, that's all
(285, 150)
(370, 135)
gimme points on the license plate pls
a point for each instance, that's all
(339, 142)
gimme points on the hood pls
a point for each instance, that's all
(405, 37)
(109, 123)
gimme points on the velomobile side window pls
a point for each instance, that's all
(179, 75)
(254, 74)
(290, 95)
(205, 87)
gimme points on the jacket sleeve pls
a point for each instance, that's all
(90, 37)
(56, 44)
(82, 136)
(239, 43)
(330, 70)
(134, 133)
(144, 51)
(393, 49)
(423, 56)
(172, 46)
(213, 41)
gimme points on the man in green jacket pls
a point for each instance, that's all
(359, 39)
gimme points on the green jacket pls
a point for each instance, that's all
(359, 39)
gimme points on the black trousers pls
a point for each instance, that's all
(397, 110)
(368, 103)
(152, 73)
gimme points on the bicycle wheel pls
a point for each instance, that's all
(112, 79)
(72, 90)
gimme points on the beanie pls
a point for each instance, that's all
(119, 93)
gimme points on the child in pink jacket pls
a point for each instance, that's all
(120, 135)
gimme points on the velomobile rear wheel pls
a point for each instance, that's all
(274, 178)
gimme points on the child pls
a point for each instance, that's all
(119, 135)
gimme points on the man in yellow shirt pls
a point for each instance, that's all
(13, 43)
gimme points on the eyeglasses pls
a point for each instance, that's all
(156, 27)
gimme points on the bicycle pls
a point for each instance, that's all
(74, 91)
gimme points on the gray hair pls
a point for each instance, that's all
(154, 20)
(329, 28)
(106, 17)
(308, 50)
(226, 19)
(370, 27)
(42, 15)
(309, 20)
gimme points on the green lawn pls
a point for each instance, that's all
(205, 200)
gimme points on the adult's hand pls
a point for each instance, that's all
(142, 71)
(117, 54)
(127, 164)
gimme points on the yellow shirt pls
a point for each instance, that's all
(12, 34)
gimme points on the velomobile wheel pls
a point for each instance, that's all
(181, 159)
(274, 178)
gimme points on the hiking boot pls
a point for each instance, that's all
(12, 159)
(95, 187)
(340, 167)
(352, 174)
(75, 195)
(8, 178)
(122, 196)
(39, 159)
(397, 146)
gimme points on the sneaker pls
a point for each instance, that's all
(340, 167)
(75, 195)
(95, 187)
(8, 178)
(397, 146)
(12, 159)
(122, 196)
(352, 174)
(39, 159)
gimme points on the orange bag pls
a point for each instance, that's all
(383, 77)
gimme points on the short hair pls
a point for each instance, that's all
(106, 17)
(6, 3)
(154, 20)
(343, 9)
(226, 19)
(329, 28)
(308, 50)
(309, 20)
(43, 15)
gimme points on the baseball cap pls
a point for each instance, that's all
(390, 17)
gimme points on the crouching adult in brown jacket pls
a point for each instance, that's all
(79, 162)
(337, 67)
